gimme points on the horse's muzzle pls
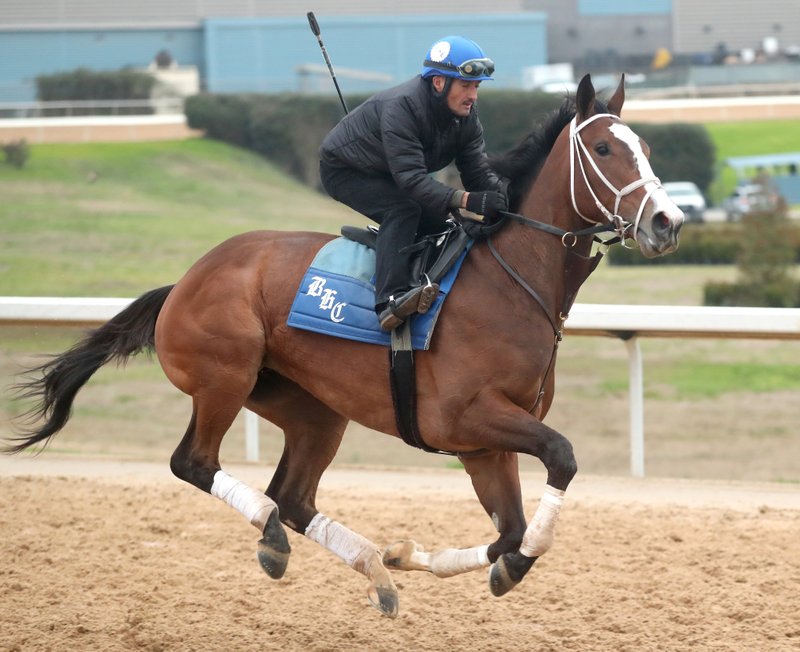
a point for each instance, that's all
(660, 236)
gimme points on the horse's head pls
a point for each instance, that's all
(611, 178)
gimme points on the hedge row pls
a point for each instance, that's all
(703, 244)
(782, 293)
(680, 152)
(83, 84)
(288, 129)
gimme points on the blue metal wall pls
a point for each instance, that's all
(623, 7)
(26, 54)
(247, 55)
(263, 54)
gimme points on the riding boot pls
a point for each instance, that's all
(416, 300)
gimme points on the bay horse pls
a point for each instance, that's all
(484, 386)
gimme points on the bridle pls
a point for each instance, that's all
(584, 266)
(577, 152)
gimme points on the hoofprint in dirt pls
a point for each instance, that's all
(103, 555)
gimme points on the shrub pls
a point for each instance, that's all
(289, 128)
(223, 117)
(17, 153)
(764, 259)
(508, 116)
(782, 294)
(84, 84)
(680, 152)
(709, 244)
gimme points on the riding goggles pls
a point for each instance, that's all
(470, 69)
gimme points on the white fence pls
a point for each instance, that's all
(19, 110)
(628, 323)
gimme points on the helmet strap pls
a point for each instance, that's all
(448, 82)
(442, 94)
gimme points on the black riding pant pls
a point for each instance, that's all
(401, 219)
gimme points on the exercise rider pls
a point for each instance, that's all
(379, 157)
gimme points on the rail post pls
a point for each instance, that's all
(636, 399)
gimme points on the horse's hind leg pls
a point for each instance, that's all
(196, 460)
(313, 432)
(496, 482)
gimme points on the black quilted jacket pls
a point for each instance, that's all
(408, 132)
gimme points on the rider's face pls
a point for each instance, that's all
(461, 96)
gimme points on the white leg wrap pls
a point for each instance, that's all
(253, 505)
(356, 551)
(447, 563)
(539, 535)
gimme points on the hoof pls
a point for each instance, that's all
(384, 599)
(274, 549)
(508, 571)
(398, 555)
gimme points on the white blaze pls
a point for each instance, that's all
(661, 201)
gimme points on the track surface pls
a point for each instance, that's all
(108, 555)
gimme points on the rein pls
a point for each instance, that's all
(568, 238)
(575, 275)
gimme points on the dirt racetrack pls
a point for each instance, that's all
(100, 555)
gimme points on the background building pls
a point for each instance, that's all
(265, 45)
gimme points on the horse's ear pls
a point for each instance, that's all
(584, 98)
(618, 98)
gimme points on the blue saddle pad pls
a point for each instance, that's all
(337, 296)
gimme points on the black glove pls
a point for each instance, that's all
(487, 203)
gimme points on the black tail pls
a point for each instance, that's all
(58, 380)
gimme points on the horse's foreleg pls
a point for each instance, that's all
(518, 430)
(495, 479)
(408, 555)
(510, 568)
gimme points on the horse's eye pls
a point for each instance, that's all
(602, 149)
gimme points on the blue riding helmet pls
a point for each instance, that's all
(457, 57)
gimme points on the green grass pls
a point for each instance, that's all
(119, 219)
(752, 138)
(701, 379)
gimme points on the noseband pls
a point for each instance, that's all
(576, 147)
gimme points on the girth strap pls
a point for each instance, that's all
(404, 389)
(402, 377)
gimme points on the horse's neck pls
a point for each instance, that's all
(549, 200)
(539, 257)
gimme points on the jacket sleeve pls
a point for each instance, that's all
(472, 162)
(400, 131)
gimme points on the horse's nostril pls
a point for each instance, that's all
(661, 222)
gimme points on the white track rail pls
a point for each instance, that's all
(628, 323)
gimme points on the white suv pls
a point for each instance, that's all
(688, 198)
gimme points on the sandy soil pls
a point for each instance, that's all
(105, 555)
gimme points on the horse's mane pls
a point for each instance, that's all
(521, 165)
